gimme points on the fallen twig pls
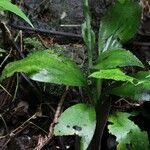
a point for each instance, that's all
(45, 140)
(73, 35)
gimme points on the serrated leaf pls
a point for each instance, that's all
(79, 120)
(117, 58)
(139, 92)
(121, 21)
(47, 66)
(114, 74)
(127, 133)
(121, 125)
(7, 5)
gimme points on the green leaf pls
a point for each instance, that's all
(122, 1)
(142, 75)
(2, 50)
(117, 58)
(114, 74)
(88, 36)
(139, 92)
(47, 66)
(121, 22)
(79, 120)
(134, 92)
(87, 32)
(7, 5)
(127, 133)
(111, 43)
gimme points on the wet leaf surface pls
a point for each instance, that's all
(47, 66)
(78, 120)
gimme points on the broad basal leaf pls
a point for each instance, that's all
(7, 5)
(139, 92)
(114, 74)
(117, 58)
(47, 66)
(121, 21)
(79, 120)
(127, 133)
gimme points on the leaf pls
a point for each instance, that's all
(2, 50)
(117, 58)
(142, 75)
(7, 5)
(88, 36)
(139, 92)
(47, 66)
(114, 74)
(79, 120)
(87, 32)
(122, 1)
(121, 22)
(111, 43)
(127, 133)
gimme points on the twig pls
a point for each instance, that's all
(5, 59)
(5, 90)
(58, 111)
(4, 122)
(16, 131)
(19, 129)
(16, 88)
(142, 43)
(4, 145)
(45, 140)
(129, 103)
(73, 35)
(38, 127)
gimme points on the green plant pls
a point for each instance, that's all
(118, 26)
(6, 5)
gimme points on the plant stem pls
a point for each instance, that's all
(89, 33)
(98, 88)
(90, 58)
